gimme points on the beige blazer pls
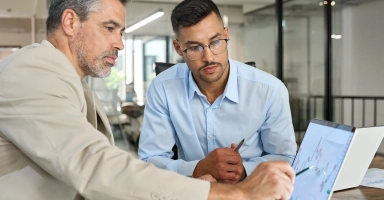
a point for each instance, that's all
(56, 142)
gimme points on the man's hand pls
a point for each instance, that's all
(224, 164)
(208, 177)
(270, 180)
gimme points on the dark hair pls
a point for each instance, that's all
(81, 7)
(190, 12)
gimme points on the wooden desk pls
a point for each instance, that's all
(135, 112)
(132, 109)
(362, 192)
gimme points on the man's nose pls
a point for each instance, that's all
(118, 43)
(207, 54)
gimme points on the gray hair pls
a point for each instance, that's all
(81, 7)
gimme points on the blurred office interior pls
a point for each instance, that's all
(328, 53)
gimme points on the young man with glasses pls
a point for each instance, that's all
(211, 102)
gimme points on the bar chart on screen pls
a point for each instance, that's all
(324, 149)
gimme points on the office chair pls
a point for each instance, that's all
(251, 63)
(160, 66)
(111, 102)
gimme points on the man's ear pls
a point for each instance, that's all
(177, 47)
(226, 32)
(70, 22)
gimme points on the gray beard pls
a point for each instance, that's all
(92, 66)
(95, 70)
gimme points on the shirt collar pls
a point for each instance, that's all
(192, 87)
(231, 89)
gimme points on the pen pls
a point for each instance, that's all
(239, 145)
(304, 170)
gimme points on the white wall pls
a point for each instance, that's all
(363, 57)
(259, 44)
(236, 43)
(19, 39)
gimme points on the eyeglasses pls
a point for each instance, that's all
(216, 47)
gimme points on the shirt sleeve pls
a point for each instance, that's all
(277, 134)
(158, 135)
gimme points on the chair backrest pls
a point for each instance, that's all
(109, 100)
(160, 66)
(251, 63)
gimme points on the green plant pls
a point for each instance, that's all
(114, 79)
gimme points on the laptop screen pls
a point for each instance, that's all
(321, 152)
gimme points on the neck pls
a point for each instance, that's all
(61, 43)
(212, 90)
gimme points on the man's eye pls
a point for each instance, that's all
(194, 48)
(216, 43)
(110, 29)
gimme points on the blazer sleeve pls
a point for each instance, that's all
(41, 102)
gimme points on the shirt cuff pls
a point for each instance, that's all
(187, 168)
(288, 159)
(249, 166)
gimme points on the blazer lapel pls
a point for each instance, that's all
(91, 109)
(100, 112)
(94, 110)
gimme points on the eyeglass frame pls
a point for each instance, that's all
(203, 46)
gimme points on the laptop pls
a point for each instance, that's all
(338, 157)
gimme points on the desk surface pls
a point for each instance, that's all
(132, 109)
(362, 192)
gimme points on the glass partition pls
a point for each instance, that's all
(142, 52)
(304, 54)
(259, 39)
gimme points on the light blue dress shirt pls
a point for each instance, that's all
(254, 106)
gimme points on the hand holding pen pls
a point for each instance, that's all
(239, 145)
(223, 164)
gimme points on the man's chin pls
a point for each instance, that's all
(101, 75)
(210, 79)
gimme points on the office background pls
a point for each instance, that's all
(357, 50)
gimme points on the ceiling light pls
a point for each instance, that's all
(145, 21)
(337, 37)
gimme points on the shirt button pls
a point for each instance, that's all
(210, 110)
(210, 136)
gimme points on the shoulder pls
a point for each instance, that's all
(255, 75)
(39, 70)
(38, 58)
